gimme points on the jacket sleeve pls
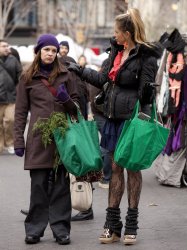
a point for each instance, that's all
(147, 79)
(72, 90)
(21, 113)
(95, 78)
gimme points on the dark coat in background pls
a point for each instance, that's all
(81, 85)
(36, 98)
(10, 70)
(94, 91)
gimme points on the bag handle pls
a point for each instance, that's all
(136, 110)
(153, 112)
(79, 116)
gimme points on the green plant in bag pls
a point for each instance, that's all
(79, 149)
(56, 119)
(47, 127)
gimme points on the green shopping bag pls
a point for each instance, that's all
(140, 142)
(79, 149)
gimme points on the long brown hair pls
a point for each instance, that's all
(132, 22)
(35, 67)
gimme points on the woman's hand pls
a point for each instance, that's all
(19, 151)
(76, 68)
(62, 94)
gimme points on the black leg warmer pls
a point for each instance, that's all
(113, 220)
(131, 225)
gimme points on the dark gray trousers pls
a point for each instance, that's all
(54, 208)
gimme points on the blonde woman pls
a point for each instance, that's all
(130, 72)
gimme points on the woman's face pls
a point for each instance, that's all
(120, 36)
(48, 54)
(82, 61)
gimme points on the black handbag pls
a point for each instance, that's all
(99, 99)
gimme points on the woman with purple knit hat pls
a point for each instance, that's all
(45, 87)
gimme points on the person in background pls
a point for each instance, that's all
(84, 93)
(100, 119)
(15, 53)
(48, 203)
(64, 48)
(82, 61)
(130, 73)
(10, 70)
(63, 53)
(64, 59)
(84, 99)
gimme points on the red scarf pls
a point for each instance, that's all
(116, 66)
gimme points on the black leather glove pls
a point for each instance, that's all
(76, 68)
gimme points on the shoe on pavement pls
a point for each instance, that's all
(108, 237)
(24, 211)
(32, 239)
(129, 239)
(85, 215)
(11, 150)
(63, 240)
(103, 184)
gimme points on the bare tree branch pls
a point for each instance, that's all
(24, 12)
(6, 10)
(6, 6)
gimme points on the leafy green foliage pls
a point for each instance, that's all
(47, 127)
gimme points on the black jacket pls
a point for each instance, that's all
(10, 70)
(132, 81)
(82, 86)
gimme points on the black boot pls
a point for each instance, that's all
(85, 215)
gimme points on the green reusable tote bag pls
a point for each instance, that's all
(79, 149)
(140, 142)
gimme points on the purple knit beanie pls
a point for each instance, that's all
(46, 40)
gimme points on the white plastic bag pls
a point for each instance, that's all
(168, 169)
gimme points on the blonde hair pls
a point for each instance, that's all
(35, 67)
(132, 22)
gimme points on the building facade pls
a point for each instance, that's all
(90, 22)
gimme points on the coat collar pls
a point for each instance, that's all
(39, 74)
(153, 49)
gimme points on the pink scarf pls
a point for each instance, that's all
(175, 68)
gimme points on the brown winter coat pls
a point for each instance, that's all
(36, 98)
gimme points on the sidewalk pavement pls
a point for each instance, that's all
(162, 219)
